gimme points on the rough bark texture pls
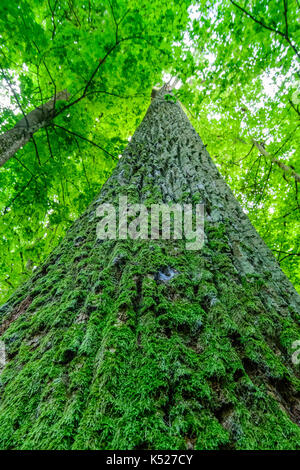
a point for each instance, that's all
(15, 138)
(105, 352)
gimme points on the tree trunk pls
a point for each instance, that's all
(15, 138)
(107, 350)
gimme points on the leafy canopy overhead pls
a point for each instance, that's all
(236, 65)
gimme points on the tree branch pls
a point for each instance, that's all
(287, 169)
(285, 5)
(36, 150)
(52, 10)
(84, 138)
(294, 107)
(115, 20)
(90, 80)
(286, 253)
(269, 28)
(17, 195)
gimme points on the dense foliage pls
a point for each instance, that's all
(237, 70)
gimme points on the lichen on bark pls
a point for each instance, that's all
(106, 353)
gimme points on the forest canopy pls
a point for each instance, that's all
(235, 69)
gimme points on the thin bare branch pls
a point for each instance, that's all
(87, 140)
(269, 28)
(285, 6)
(17, 195)
(286, 168)
(36, 150)
(294, 107)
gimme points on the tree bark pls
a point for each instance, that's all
(15, 138)
(107, 350)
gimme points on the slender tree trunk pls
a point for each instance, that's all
(142, 344)
(286, 168)
(15, 138)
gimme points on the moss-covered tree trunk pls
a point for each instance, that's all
(106, 350)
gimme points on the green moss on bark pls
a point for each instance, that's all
(103, 354)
